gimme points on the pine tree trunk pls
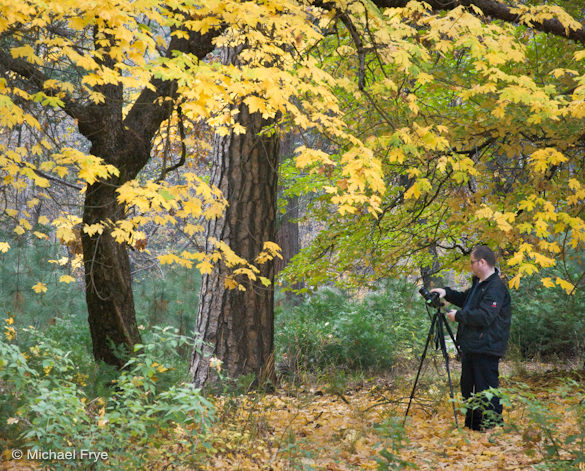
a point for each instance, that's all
(236, 326)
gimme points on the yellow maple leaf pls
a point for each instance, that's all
(484, 213)
(502, 221)
(515, 282)
(40, 288)
(307, 156)
(543, 260)
(255, 103)
(230, 283)
(192, 207)
(93, 228)
(204, 267)
(566, 285)
(273, 249)
(265, 281)
(33, 202)
(412, 192)
(167, 259)
(214, 211)
(66, 279)
(547, 282)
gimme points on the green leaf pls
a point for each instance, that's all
(166, 194)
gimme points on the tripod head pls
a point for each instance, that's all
(432, 299)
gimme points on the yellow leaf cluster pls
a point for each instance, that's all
(90, 167)
(543, 159)
(40, 288)
(270, 251)
(66, 279)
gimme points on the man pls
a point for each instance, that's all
(482, 333)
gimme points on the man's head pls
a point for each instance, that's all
(483, 261)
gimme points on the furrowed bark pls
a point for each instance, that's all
(237, 327)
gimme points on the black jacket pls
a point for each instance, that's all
(484, 320)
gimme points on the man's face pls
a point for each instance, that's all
(477, 265)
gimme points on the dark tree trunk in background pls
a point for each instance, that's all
(287, 235)
(125, 142)
(236, 326)
(429, 273)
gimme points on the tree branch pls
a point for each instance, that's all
(148, 112)
(357, 40)
(492, 8)
(35, 79)
(183, 158)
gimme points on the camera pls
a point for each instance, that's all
(432, 299)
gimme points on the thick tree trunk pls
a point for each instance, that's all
(110, 302)
(124, 142)
(236, 326)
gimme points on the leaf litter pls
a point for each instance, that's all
(311, 428)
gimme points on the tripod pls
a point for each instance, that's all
(438, 322)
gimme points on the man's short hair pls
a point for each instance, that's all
(484, 252)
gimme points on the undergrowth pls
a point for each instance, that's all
(333, 330)
(48, 402)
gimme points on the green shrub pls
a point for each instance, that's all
(547, 322)
(43, 401)
(392, 430)
(330, 329)
(542, 424)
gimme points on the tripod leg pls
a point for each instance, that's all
(422, 359)
(451, 335)
(446, 357)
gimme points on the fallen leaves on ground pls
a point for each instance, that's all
(307, 428)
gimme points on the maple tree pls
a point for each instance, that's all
(476, 127)
(455, 141)
(90, 62)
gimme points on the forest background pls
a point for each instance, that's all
(169, 167)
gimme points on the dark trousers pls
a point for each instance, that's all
(478, 373)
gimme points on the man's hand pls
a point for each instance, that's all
(451, 315)
(440, 291)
